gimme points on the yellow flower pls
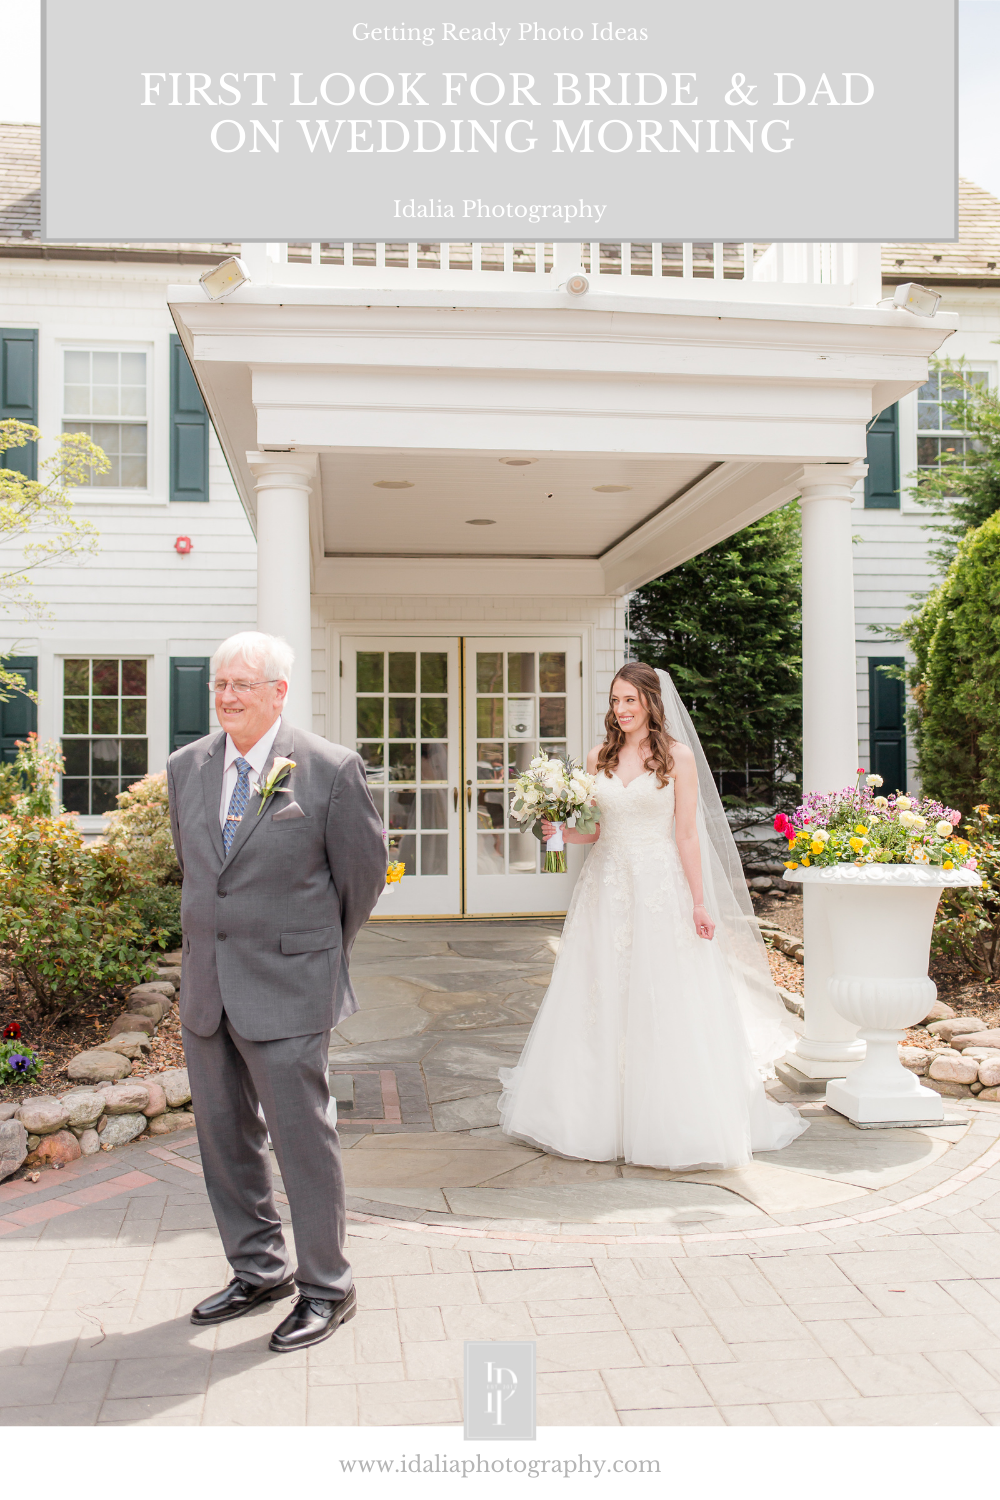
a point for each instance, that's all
(857, 845)
(395, 872)
(948, 865)
(791, 864)
(816, 847)
(805, 860)
(860, 828)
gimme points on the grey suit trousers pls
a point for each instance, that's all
(288, 1077)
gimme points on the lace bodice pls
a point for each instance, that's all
(640, 813)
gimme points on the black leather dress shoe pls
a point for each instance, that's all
(311, 1321)
(239, 1297)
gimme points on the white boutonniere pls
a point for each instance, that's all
(279, 770)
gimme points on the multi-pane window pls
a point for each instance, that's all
(402, 724)
(104, 395)
(936, 432)
(104, 731)
(520, 709)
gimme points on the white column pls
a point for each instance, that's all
(284, 484)
(829, 1045)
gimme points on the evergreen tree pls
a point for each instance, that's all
(727, 626)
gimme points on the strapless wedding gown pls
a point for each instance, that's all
(639, 1051)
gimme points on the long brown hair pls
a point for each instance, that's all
(658, 739)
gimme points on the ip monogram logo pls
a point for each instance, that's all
(499, 1390)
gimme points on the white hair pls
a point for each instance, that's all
(266, 655)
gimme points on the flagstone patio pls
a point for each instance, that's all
(853, 1279)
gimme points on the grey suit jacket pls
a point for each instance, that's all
(268, 929)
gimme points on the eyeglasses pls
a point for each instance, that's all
(221, 684)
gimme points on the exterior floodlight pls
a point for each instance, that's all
(224, 278)
(916, 299)
(578, 285)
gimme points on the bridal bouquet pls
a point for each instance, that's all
(559, 791)
(856, 826)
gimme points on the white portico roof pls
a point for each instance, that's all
(655, 425)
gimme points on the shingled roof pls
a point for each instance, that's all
(21, 215)
(973, 261)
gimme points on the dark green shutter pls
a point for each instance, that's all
(188, 699)
(188, 430)
(19, 392)
(882, 480)
(18, 716)
(887, 724)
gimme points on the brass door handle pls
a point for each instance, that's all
(468, 794)
(455, 795)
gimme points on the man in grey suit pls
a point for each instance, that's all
(283, 859)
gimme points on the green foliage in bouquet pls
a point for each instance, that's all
(558, 791)
(70, 925)
(967, 928)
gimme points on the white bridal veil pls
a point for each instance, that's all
(728, 901)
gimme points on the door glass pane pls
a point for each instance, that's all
(402, 718)
(551, 716)
(370, 670)
(404, 846)
(521, 672)
(552, 671)
(402, 671)
(490, 807)
(489, 854)
(434, 809)
(402, 809)
(373, 757)
(489, 717)
(434, 718)
(520, 718)
(433, 854)
(519, 756)
(403, 762)
(433, 671)
(489, 671)
(524, 849)
(433, 762)
(371, 722)
(489, 761)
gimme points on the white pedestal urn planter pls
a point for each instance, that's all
(880, 921)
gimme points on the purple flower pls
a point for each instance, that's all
(19, 1063)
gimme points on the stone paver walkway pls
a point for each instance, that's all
(853, 1279)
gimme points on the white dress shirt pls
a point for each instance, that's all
(257, 755)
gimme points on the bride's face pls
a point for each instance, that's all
(629, 708)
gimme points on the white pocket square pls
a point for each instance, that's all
(293, 810)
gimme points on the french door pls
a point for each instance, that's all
(444, 726)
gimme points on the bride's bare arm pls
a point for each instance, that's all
(570, 835)
(686, 834)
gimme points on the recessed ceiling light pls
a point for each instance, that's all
(518, 463)
(481, 521)
(393, 484)
(611, 489)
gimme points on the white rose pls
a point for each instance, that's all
(881, 803)
(943, 830)
(903, 804)
(919, 823)
(821, 836)
(873, 780)
(908, 819)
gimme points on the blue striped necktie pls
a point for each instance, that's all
(237, 803)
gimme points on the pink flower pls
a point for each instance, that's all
(861, 770)
(970, 864)
(782, 826)
(954, 818)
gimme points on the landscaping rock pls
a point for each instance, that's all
(85, 1106)
(33, 1141)
(43, 1116)
(133, 1044)
(55, 1150)
(8, 1111)
(979, 1053)
(102, 1122)
(760, 883)
(121, 1129)
(938, 1012)
(979, 1039)
(170, 976)
(157, 1103)
(174, 1083)
(989, 1072)
(177, 1119)
(13, 1146)
(149, 991)
(958, 1026)
(916, 1059)
(125, 1098)
(993, 1094)
(948, 1090)
(153, 1008)
(90, 1143)
(97, 1066)
(132, 1021)
(952, 1068)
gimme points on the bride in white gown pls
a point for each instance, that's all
(659, 1026)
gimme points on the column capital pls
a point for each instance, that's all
(829, 481)
(295, 471)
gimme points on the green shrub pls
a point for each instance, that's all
(70, 923)
(967, 927)
(28, 783)
(158, 908)
(140, 830)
